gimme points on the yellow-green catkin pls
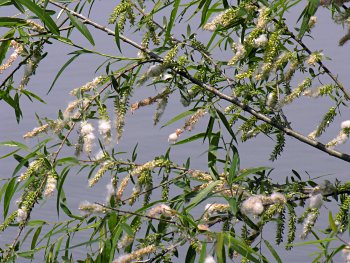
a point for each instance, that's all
(162, 102)
(240, 52)
(9, 220)
(271, 211)
(295, 93)
(283, 58)
(280, 226)
(120, 11)
(122, 187)
(319, 91)
(270, 54)
(342, 218)
(309, 222)
(33, 168)
(191, 122)
(294, 63)
(103, 169)
(88, 86)
(150, 165)
(246, 127)
(263, 18)
(314, 58)
(30, 66)
(51, 183)
(152, 32)
(120, 109)
(292, 217)
(36, 26)
(169, 58)
(223, 19)
(18, 50)
(248, 73)
(136, 254)
(36, 131)
(326, 121)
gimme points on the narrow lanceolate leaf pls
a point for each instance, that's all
(331, 222)
(309, 11)
(40, 13)
(312, 242)
(5, 44)
(273, 251)
(82, 28)
(192, 138)
(61, 71)
(15, 144)
(12, 22)
(203, 194)
(180, 116)
(171, 21)
(10, 191)
(116, 36)
(226, 124)
(205, 11)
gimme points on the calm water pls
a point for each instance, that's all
(153, 140)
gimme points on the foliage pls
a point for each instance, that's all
(158, 209)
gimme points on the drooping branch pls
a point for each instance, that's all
(323, 66)
(290, 132)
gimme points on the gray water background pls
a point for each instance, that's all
(152, 141)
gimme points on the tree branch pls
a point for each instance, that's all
(237, 102)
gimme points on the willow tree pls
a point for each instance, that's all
(252, 66)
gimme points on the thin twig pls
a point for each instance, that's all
(136, 214)
(15, 70)
(320, 63)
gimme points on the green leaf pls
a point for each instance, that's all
(36, 223)
(205, 11)
(18, 6)
(4, 2)
(312, 242)
(331, 222)
(203, 254)
(241, 248)
(3, 189)
(10, 191)
(220, 248)
(31, 95)
(82, 28)
(308, 12)
(70, 160)
(171, 21)
(127, 229)
(116, 36)
(203, 194)
(61, 71)
(226, 124)
(233, 168)
(69, 213)
(35, 237)
(45, 18)
(60, 190)
(273, 251)
(12, 22)
(5, 45)
(180, 116)
(246, 172)
(192, 138)
(191, 255)
(15, 144)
